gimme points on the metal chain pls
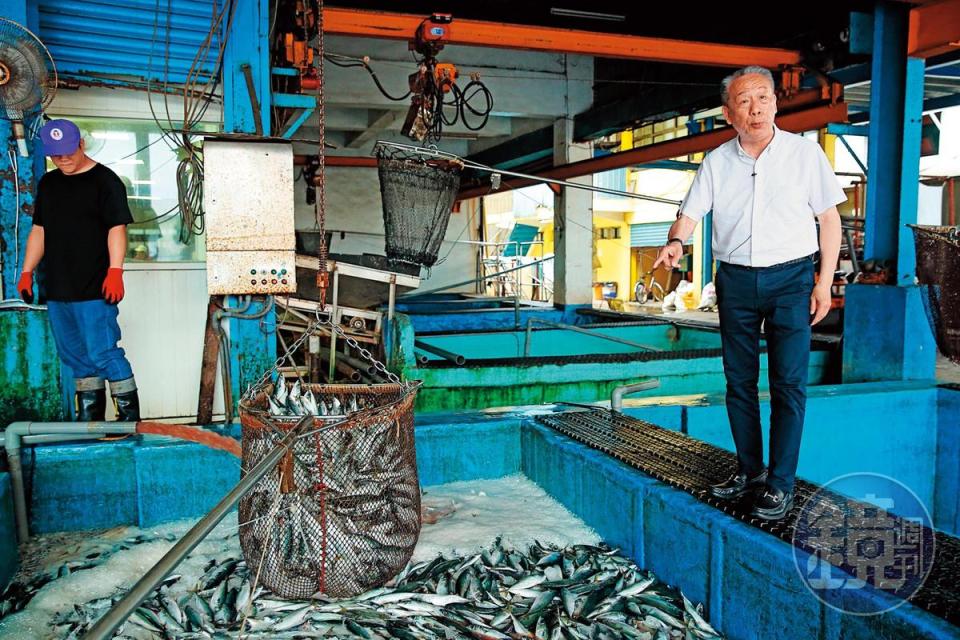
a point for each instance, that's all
(379, 366)
(268, 374)
(309, 331)
(323, 278)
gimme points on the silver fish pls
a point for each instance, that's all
(576, 593)
(280, 392)
(309, 403)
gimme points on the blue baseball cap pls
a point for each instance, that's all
(60, 138)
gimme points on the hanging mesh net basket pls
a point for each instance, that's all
(417, 193)
(938, 272)
(341, 514)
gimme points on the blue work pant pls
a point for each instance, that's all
(86, 334)
(778, 297)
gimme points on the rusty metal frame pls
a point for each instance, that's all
(398, 26)
(798, 121)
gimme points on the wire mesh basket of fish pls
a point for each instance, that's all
(417, 194)
(938, 272)
(342, 512)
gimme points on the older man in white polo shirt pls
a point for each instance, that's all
(765, 187)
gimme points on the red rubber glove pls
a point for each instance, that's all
(25, 286)
(113, 285)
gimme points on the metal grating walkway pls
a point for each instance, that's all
(692, 466)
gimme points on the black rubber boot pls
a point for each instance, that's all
(90, 399)
(128, 406)
(125, 400)
(91, 406)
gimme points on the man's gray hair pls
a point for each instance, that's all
(725, 84)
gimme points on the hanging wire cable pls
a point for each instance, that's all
(350, 61)
(198, 92)
(445, 103)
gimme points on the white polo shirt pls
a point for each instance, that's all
(764, 209)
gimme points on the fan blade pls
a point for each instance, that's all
(28, 76)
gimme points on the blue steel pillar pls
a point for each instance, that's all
(252, 345)
(706, 225)
(706, 228)
(886, 335)
(247, 44)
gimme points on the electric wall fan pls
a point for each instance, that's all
(28, 77)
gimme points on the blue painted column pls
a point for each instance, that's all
(886, 334)
(706, 228)
(247, 44)
(252, 343)
(706, 225)
(885, 152)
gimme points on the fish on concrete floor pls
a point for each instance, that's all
(579, 592)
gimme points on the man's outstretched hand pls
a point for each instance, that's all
(670, 254)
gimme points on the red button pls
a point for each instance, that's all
(264, 281)
(274, 281)
(253, 282)
(284, 281)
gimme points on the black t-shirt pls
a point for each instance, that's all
(76, 212)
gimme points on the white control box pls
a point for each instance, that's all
(248, 204)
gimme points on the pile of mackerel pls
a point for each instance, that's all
(579, 592)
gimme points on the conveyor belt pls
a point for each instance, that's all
(692, 466)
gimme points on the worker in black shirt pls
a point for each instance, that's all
(79, 230)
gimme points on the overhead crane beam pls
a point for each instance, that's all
(398, 26)
(934, 29)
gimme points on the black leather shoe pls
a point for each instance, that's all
(737, 485)
(772, 503)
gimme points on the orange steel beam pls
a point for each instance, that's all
(798, 121)
(350, 161)
(398, 26)
(934, 29)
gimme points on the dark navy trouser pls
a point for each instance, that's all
(779, 297)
